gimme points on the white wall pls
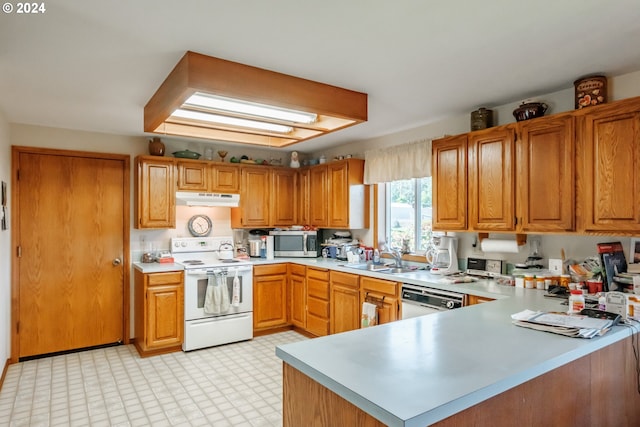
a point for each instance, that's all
(5, 247)
(577, 247)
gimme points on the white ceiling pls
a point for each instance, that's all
(93, 65)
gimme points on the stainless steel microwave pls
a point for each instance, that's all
(295, 243)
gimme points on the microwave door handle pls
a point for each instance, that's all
(304, 243)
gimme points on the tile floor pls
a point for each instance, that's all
(233, 385)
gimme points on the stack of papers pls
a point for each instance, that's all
(574, 325)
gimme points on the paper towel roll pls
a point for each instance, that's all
(270, 242)
(499, 245)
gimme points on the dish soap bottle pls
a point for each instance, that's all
(263, 247)
(376, 256)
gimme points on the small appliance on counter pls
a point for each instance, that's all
(296, 243)
(445, 259)
(343, 242)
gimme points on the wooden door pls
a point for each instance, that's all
(193, 176)
(344, 302)
(298, 295)
(546, 175)
(449, 181)
(318, 196)
(338, 192)
(609, 151)
(72, 232)
(254, 198)
(269, 296)
(155, 205)
(225, 179)
(284, 197)
(491, 180)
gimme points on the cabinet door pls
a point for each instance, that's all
(193, 176)
(254, 198)
(318, 196)
(269, 301)
(491, 180)
(225, 179)
(303, 196)
(156, 193)
(164, 316)
(338, 194)
(298, 300)
(609, 185)
(344, 302)
(284, 197)
(546, 183)
(449, 180)
(385, 294)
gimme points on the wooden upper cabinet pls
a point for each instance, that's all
(254, 198)
(155, 189)
(284, 197)
(303, 196)
(347, 195)
(224, 179)
(318, 196)
(492, 179)
(449, 183)
(609, 173)
(545, 175)
(193, 176)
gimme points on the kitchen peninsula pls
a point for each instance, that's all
(470, 366)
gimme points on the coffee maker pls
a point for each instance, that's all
(445, 260)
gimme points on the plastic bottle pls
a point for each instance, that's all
(376, 256)
(602, 303)
(576, 301)
(263, 247)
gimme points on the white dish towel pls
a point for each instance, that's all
(216, 298)
(235, 294)
(369, 314)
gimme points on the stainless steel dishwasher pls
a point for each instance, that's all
(421, 300)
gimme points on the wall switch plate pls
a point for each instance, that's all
(555, 265)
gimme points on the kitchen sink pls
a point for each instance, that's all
(381, 268)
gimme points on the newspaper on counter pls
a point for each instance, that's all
(574, 325)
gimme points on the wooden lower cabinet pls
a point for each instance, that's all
(344, 302)
(298, 295)
(269, 296)
(384, 293)
(318, 301)
(159, 312)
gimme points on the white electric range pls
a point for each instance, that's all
(218, 293)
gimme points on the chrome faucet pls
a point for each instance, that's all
(395, 253)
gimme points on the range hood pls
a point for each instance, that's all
(187, 198)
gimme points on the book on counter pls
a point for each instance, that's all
(613, 263)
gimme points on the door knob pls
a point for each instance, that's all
(117, 261)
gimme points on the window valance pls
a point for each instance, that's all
(412, 160)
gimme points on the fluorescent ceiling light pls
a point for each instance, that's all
(231, 121)
(230, 105)
(215, 99)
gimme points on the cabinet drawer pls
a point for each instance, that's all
(268, 270)
(318, 307)
(317, 326)
(368, 284)
(165, 278)
(318, 288)
(299, 270)
(316, 273)
(345, 279)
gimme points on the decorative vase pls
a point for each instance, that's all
(156, 147)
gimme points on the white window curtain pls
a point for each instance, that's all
(412, 160)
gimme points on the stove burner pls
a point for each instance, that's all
(229, 261)
(193, 262)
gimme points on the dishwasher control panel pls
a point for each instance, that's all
(430, 297)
